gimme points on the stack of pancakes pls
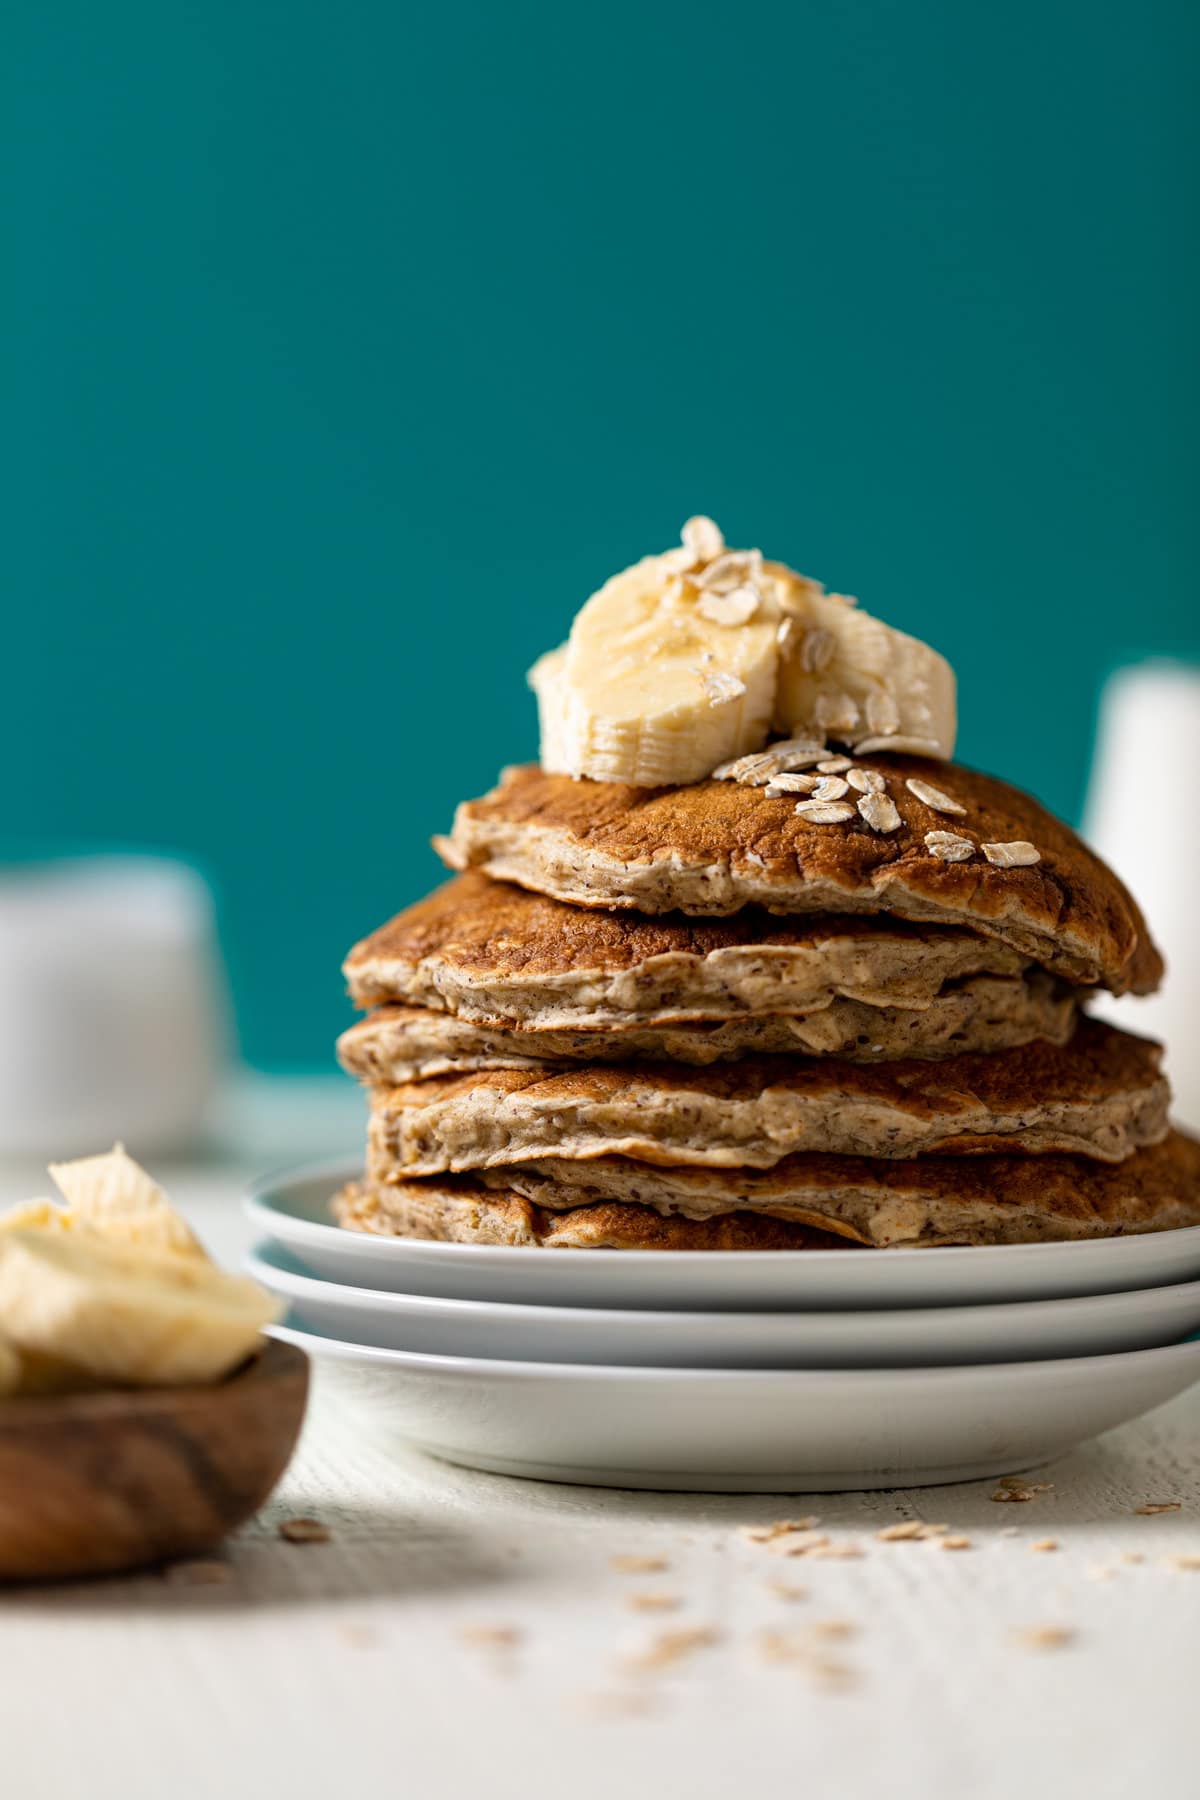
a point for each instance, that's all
(692, 1018)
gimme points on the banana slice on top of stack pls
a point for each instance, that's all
(696, 657)
(114, 1289)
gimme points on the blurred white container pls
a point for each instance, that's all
(1141, 818)
(113, 1007)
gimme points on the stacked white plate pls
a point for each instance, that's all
(761, 1371)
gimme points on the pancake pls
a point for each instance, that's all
(500, 955)
(397, 1044)
(1101, 1095)
(717, 846)
(927, 1201)
(463, 1217)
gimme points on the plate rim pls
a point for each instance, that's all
(497, 1368)
(319, 1287)
(260, 1210)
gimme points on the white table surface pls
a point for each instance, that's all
(358, 1667)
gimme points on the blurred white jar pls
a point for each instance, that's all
(114, 1019)
(1142, 819)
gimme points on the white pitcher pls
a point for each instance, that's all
(113, 1010)
(1142, 817)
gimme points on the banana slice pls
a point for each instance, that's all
(126, 1314)
(36, 1215)
(848, 676)
(113, 1195)
(689, 660)
(651, 689)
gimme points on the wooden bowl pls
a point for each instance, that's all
(94, 1483)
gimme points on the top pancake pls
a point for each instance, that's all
(715, 847)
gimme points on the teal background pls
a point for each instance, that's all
(346, 349)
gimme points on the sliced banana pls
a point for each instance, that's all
(125, 1314)
(113, 1195)
(689, 660)
(36, 1215)
(868, 684)
(651, 690)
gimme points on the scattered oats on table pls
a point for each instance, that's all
(639, 1565)
(762, 1534)
(304, 1531)
(1044, 1544)
(200, 1572)
(956, 1541)
(798, 1543)
(910, 1531)
(491, 1637)
(671, 1647)
(1014, 1489)
(653, 1601)
(1149, 1509)
(1045, 1637)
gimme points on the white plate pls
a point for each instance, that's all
(744, 1430)
(293, 1209)
(1022, 1331)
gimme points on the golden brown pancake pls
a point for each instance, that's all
(459, 1216)
(927, 1201)
(716, 847)
(396, 1044)
(501, 955)
(1101, 1095)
